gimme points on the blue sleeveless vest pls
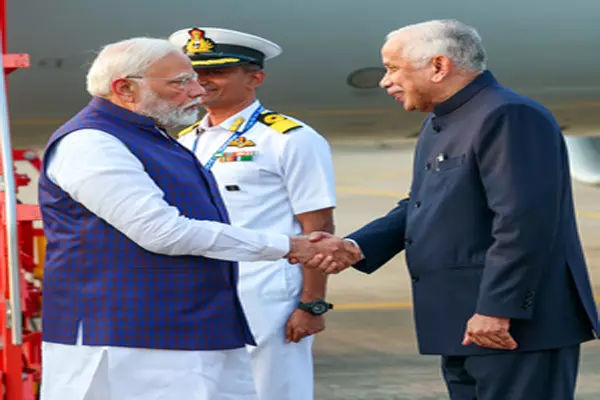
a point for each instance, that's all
(122, 294)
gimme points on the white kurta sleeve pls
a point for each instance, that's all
(308, 171)
(98, 171)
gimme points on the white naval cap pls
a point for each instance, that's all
(218, 47)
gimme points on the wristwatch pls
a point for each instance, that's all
(317, 307)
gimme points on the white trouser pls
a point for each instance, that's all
(269, 295)
(76, 372)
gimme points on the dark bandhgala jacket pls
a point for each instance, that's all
(489, 226)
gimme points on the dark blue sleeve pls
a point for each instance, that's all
(520, 164)
(381, 239)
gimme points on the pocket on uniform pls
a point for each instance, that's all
(293, 280)
(285, 282)
(450, 163)
(239, 183)
(238, 172)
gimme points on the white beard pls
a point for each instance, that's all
(164, 113)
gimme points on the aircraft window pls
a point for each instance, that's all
(366, 78)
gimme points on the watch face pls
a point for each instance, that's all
(319, 308)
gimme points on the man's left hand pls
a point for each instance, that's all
(302, 324)
(490, 332)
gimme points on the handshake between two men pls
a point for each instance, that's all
(323, 251)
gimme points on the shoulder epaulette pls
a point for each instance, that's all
(188, 129)
(278, 122)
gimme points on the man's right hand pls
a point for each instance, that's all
(302, 249)
(323, 251)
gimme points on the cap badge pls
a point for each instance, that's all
(198, 43)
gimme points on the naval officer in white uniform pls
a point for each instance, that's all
(275, 174)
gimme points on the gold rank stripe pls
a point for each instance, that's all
(215, 61)
(278, 122)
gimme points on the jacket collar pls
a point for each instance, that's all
(121, 113)
(465, 94)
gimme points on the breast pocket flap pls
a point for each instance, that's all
(449, 163)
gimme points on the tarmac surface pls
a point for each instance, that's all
(368, 350)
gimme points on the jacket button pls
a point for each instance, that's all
(427, 166)
(408, 241)
(417, 203)
(415, 278)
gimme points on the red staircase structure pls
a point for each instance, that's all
(20, 239)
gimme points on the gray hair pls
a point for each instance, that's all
(453, 39)
(128, 57)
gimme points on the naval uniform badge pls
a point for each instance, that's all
(278, 122)
(233, 156)
(198, 43)
(242, 142)
(236, 124)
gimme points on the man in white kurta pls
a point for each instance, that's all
(104, 168)
(275, 174)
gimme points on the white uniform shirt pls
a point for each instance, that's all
(290, 173)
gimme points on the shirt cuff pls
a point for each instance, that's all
(278, 247)
(362, 255)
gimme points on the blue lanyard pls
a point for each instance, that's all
(235, 136)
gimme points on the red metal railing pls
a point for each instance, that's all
(20, 295)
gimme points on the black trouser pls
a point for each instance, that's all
(540, 375)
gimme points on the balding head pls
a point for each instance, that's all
(149, 76)
(427, 63)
